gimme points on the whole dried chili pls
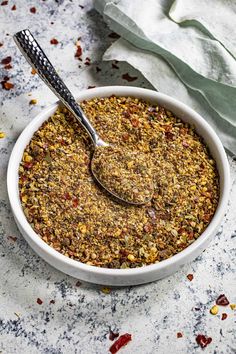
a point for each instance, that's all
(120, 342)
(222, 300)
(203, 341)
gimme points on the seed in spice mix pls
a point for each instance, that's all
(76, 217)
(214, 310)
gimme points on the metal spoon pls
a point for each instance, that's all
(39, 61)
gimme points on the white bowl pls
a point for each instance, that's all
(121, 277)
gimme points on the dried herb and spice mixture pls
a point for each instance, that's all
(125, 173)
(75, 216)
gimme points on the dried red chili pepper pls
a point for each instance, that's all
(120, 342)
(179, 335)
(54, 41)
(13, 8)
(4, 3)
(75, 202)
(222, 300)
(67, 196)
(113, 335)
(39, 301)
(6, 60)
(33, 10)
(203, 341)
(128, 77)
(7, 85)
(33, 71)
(190, 277)
(224, 316)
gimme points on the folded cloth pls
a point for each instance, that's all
(182, 60)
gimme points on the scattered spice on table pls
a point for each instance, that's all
(190, 277)
(33, 101)
(17, 314)
(222, 300)
(78, 52)
(6, 60)
(128, 77)
(203, 340)
(179, 335)
(13, 8)
(97, 230)
(12, 238)
(39, 301)
(54, 41)
(214, 310)
(113, 35)
(113, 335)
(224, 316)
(52, 301)
(6, 85)
(3, 3)
(2, 135)
(33, 71)
(1, 44)
(123, 340)
(233, 306)
(33, 10)
(106, 290)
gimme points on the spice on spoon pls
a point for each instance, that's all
(126, 174)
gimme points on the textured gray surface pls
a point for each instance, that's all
(79, 320)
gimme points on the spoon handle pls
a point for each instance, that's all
(39, 61)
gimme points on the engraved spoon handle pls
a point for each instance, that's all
(39, 61)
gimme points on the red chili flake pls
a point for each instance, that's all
(185, 144)
(135, 122)
(190, 277)
(13, 8)
(81, 6)
(222, 300)
(28, 165)
(67, 196)
(12, 238)
(148, 228)
(128, 77)
(98, 69)
(125, 137)
(39, 301)
(113, 335)
(52, 302)
(6, 60)
(224, 316)
(54, 41)
(33, 10)
(7, 85)
(90, 87)
(120, 342)
(203, 341)
(169, 135)
(78, 283)
(8, 66)
(33, 71)
(1, 44)
(114, 66)
(113, 35)
(75, 202)
(78, 52)
(4, 3)
(179, 335)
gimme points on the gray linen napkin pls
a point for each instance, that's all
(192, 61)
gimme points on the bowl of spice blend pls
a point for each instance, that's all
(76, 226)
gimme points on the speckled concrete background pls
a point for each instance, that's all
(79, 320)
